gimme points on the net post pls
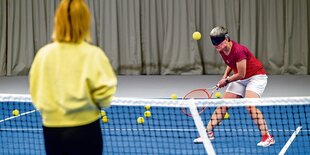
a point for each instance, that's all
(200, 127)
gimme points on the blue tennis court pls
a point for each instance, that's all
(167, 131)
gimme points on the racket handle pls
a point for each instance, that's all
(216, 86)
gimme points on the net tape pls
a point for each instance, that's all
(123, 101)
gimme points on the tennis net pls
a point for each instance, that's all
(168, 130)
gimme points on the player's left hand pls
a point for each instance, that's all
(222, 83)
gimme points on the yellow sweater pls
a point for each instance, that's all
(68, 82)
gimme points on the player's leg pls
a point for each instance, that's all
(219, 113)
(216, 118)
(52, 140)
(234, 90)
(256, 114)
(255, 88)
(86, 139)
(258, 118)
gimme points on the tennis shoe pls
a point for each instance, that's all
(199, 139)
(266, 141)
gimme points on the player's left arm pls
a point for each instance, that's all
(241, 67)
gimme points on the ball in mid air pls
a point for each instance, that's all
(196, 35)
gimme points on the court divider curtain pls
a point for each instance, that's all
(153, 37)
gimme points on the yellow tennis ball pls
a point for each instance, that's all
(174, 96)
(226, 116)
(218, 95)
(105, 119)
(103, 113)
(147, 107)
(196, 35)
(140, 120)
(15, 112)
(147, 114)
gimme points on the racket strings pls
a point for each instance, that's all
(196, 94)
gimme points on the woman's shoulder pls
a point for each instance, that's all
(46, 48)
(237, 47)
(91, 47)
(93, 51)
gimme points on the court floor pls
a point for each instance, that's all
(155, 86)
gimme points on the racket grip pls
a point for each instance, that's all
(217, 86)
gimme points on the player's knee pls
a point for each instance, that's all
(250, 109)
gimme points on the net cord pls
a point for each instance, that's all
(200, 127)
(290, 141)
(125, 101)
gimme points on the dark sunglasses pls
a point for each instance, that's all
(218, 39)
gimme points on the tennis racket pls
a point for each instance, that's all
(200, 93)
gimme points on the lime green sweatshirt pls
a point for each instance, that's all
(69, 82)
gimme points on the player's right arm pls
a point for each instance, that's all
(103, 81)
(222, 82)
(227, 72)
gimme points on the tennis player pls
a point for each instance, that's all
(248, 80)
(70, 80)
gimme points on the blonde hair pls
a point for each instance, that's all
(72, 22)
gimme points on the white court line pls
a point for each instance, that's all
(160, 129)
(201, 129)
(289, 142)
(40, 129)
(9, 118)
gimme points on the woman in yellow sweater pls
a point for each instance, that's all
(70, 80)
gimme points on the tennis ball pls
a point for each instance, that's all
(15, 112)
(174, 96)
(140, 120)
(226, 116)
(196, 35)
(103, 113)
(147, 114)
(147, 107)
(105, 119)
(218, 95)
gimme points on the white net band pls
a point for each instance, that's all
(121, 101)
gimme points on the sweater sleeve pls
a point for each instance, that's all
(103, 81)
